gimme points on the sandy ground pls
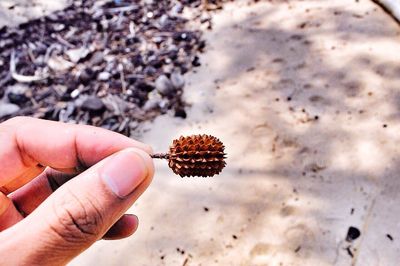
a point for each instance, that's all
(14, 12)
(305, 96)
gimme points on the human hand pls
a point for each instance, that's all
(38, 226)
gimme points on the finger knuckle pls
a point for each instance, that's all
(77, 220)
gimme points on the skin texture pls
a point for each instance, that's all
(63, 187)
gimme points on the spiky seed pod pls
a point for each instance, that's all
(197, 155)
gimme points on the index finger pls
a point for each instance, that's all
(28, 145)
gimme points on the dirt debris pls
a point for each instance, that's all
(111, 64)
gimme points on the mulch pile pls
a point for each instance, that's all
(111, 64)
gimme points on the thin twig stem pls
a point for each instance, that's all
(160, 156)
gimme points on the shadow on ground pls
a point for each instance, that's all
(305, 96)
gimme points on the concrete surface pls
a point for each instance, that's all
(306, 97)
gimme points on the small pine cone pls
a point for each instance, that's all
(197, 155)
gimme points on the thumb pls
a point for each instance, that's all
(81, 211)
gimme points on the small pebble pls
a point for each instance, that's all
(75, 93)
(164, 85)
(177, 80)
(8, 109)
(104, 76)
(93, 104)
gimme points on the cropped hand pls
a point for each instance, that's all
(63, 187)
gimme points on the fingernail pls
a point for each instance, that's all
(123, 172)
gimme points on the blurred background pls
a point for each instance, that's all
(304, 94)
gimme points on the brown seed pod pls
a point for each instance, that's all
(197, 155)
